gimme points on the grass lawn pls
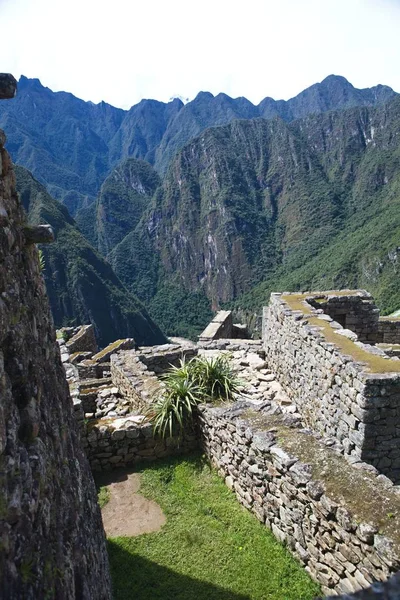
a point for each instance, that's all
(211, 548)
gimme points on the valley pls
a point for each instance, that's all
(214, 203)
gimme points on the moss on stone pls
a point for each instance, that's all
(356, 489)
(373, 363)
(107, 349)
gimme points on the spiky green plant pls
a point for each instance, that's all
(42, 263)
(216, 377)
(191, 383)
(174, 408)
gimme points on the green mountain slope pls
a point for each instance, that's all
(71, 145)
(122, 199)
(362, 157)
(259, 205)
(82, 287)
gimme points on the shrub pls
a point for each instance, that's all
(191, 383)
(216, 377)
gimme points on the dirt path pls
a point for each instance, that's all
(128, 513)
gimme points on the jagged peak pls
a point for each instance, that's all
(203, 96)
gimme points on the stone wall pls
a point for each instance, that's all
(135, 372)
(342, 523)
(220, 327)
(388, 330)
(82, 340)
(121, 442)
(333, 391)
(356, 311)
(51, 535)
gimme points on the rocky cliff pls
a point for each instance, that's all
(51, 535)
(71, 145)
(81, 285)
(301, 205)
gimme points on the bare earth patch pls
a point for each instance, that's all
(128, 513)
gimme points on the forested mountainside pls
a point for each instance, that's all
(283, 195)
(80, 284)
(71, 146)
(122, 199)
(308, 204)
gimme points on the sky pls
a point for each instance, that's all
(122, 51)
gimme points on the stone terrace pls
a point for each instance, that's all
(346, 390)
(308, 442)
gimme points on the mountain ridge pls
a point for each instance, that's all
(81, 286)
(71, 145)
(258, 203)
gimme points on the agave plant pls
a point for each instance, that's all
(174, 408)
(186, 386)
(217, 378)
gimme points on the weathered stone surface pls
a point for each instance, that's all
(336, 396)
(8, 86)
(53, 542)
(83, 339)
(38, 234)
(220, 327)
(341, 553)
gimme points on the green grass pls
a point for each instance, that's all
(211, 548)
(103, 495)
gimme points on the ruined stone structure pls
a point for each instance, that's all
(51, 535)
(223, 327)
(306, 447)
(339, 517)
(344, 389)
(341, 522)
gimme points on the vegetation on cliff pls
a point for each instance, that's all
(258, 205)
(244, 208)
(81, 286)
(71, 145)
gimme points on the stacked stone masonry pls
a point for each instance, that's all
(223, 327)
(136, 372)
(323, 513)
(335, 394)
(355, 312)
(51, 535)
(124, 442)
(388, 330)
(299, 503)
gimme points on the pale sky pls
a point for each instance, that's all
(122, 51)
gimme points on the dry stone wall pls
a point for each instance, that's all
(220, 327)
(51, 535)
(334, 393)
(123, 442)
(341, 522)
(82, 339)
(388, 331)
(356, 312)
(135, 372)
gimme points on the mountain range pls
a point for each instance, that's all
(71, 146)
(218, 202)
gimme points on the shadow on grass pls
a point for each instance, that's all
(198, 461)
(136, 578)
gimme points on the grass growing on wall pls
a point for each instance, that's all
(103, 496)
(211, 548)
(373, 363)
